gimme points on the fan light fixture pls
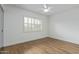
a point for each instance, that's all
(46, 10)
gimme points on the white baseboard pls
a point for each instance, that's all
(64, 39)
(5, 45)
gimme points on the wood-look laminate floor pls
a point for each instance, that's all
(44, 46)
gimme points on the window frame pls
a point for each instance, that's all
(39, 29)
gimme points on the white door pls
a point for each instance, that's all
(1, 32)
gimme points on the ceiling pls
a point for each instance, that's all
(54, 8)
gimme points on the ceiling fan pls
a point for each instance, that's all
(46, 8)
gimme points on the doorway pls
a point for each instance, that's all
(1, 27)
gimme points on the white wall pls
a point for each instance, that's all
(65, 25)
(13, 26)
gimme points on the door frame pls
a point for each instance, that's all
(2, 24)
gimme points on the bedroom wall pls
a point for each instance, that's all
(65, 25)
(13, 26)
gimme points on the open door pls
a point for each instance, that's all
(1, 27)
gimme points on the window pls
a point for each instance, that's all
(32, 24)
